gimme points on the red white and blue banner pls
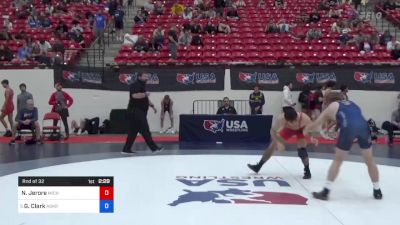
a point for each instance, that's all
(356, 77)
(185, 78)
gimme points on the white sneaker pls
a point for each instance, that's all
(161, 131)
(79, 132)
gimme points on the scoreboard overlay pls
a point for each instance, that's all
(65, 194)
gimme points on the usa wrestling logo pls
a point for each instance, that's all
(214, 126)
(129, 79)
(196, 78)
(261, 78)
(247, 77)
(185, 78)
(248, 195)
(83, 77)
(362, 77)
(374, 77)
(305, 78)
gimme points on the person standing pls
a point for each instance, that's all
(352, 126)
(137, 115)
(173, 42)
(61, 101)
(8, 107)
(287, 95)
(101, 23)
(119, 22)
(256, 101)
(166, 107)
(22, 99)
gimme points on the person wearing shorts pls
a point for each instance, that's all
(166, 107)
(352, 124)
(8, 108)
(119, 22)
(289, 124)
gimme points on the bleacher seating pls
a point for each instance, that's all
(249, 43)
(393, 15)
(7, 9)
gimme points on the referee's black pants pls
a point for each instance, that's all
(137, 120)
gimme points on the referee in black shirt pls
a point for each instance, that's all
(137, 115)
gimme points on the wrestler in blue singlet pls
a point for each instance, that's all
(352, 126)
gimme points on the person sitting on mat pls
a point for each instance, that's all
(27, 120)
(91, 126)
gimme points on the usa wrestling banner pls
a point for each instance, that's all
(161, 78)
(377, 78)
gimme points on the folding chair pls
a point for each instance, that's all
(51, 129)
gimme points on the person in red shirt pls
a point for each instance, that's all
(61, 101)
(8, 107)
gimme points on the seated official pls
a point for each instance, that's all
(226, 109)
(27, 120)
(393, 125)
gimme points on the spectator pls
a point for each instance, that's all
(395, 53)
(324, 5)
(226, 108)
(389, 5)
(314, 34)
(344, 90)
(271, 27)
(7, 27)
(224, 28)
(158, 8)
(185, 38)
(366, 46)
(232, 14)
(79, 39)
(158, 38)
(391, 45)
(22, 99)
(76, 29)
(59, 50)
(119, 22)
(385, 38)
(140, 17)
(305, 99)
(91, 126)
(199, 4)
(256, 101)
(284, 27)
(356, 3)
(167, 107)
(345, 37)
(239, 4)
(219, 7)
(61, 30)
(261, 4)
(49, 9)
(211, 14)
(61, 101)
(280, 4)
(315, 17)
(177, 9)
(196, 28)
(44, 21)
(304, 18)
(24, 53)
(141, 45)
(210, 28)
(187, 14)
(149, 6)
(334, 13)
(173, 42)
(287, 99)
(5, 53)
(27, 119)
(393, 125)
(101, 23)
(112, 7)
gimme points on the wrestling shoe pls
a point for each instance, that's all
(307, 173)
(322, 195)
(12, 142)
(378, 194)
(256, 168)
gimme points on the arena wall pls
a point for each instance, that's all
(89, 103)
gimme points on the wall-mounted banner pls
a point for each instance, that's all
(161, 78)
(356, 77)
